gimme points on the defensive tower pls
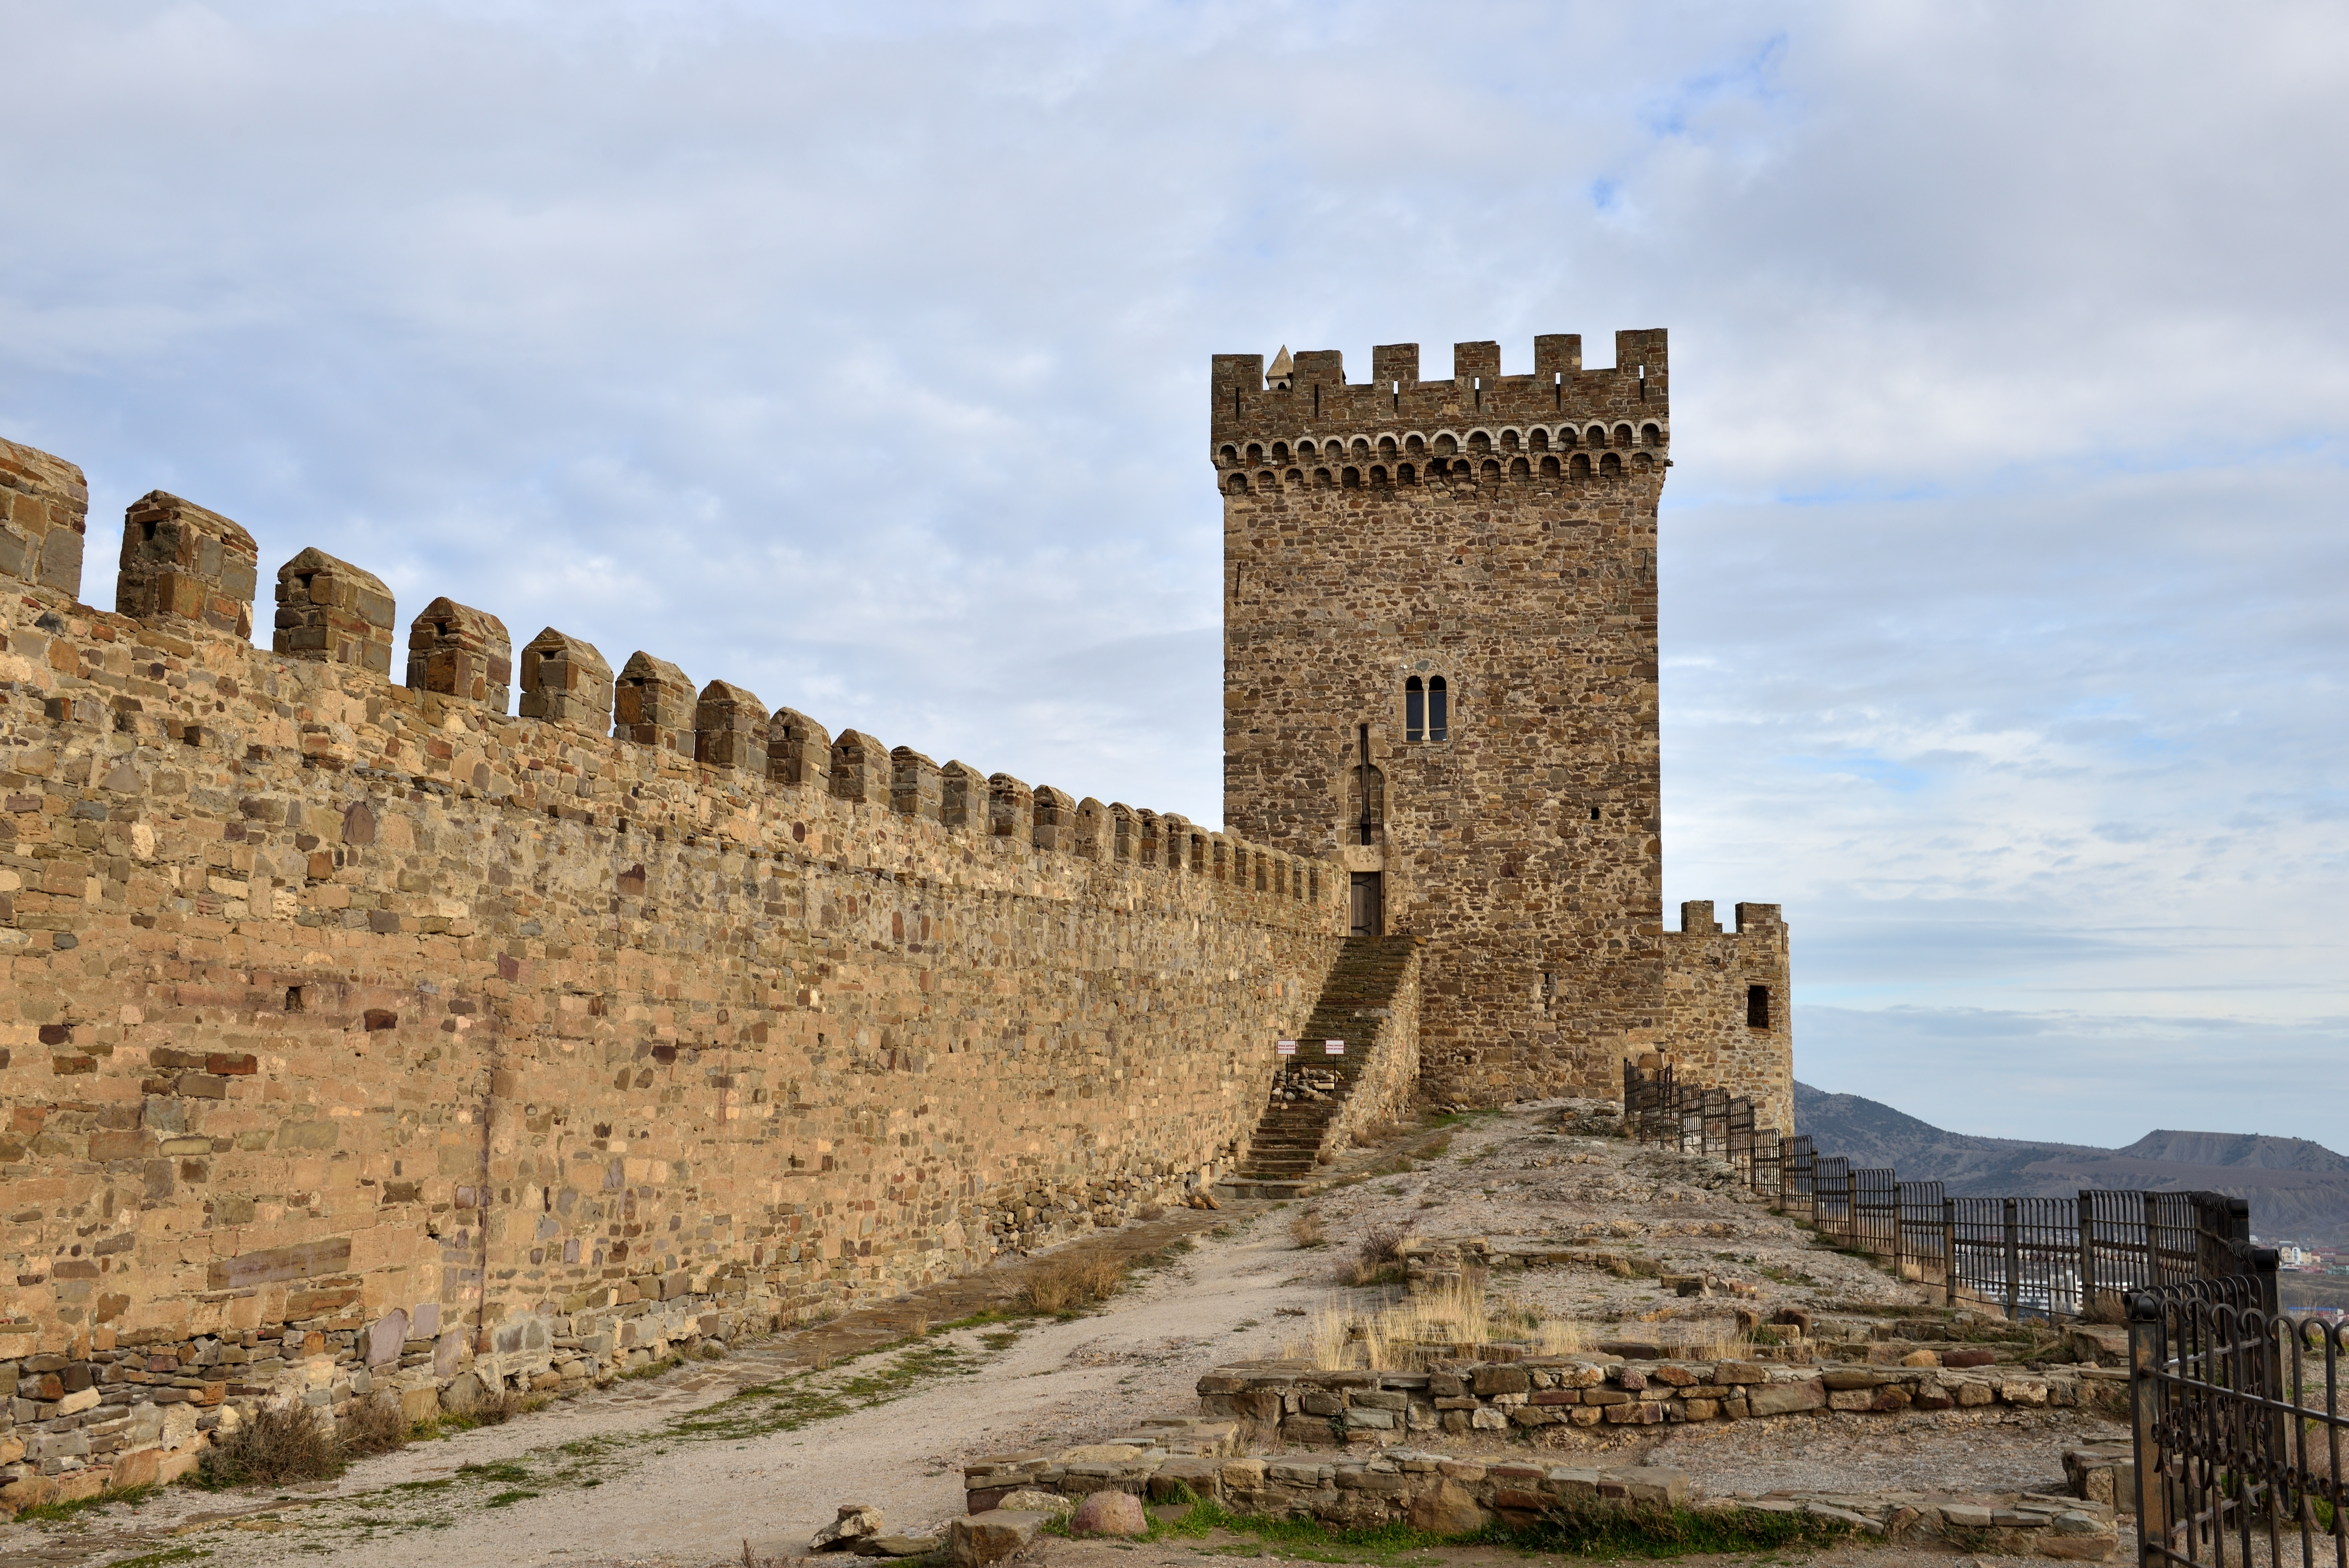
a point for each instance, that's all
(1440, 668)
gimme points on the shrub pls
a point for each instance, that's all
(270, 1448)
(1306, 1230)
(1379, 1258)
(373, 1427)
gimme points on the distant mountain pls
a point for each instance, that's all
(2256, 1151)
(2298, 1190)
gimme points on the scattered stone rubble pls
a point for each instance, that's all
(72, 1426)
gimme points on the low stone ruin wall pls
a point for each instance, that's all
(1317, 1408)
(1460, 1496)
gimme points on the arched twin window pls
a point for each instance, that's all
(1426, 708)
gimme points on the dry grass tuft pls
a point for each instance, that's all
(1420, 1329)
(374, 1426)
(1306, 1230)
(1066, 1284)
(498, 1408)
(270, 1448)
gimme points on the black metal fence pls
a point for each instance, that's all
(2030, 1257)
(2240, 1429)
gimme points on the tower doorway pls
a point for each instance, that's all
(1366, 911)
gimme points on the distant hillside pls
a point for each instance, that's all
(2298, 1190)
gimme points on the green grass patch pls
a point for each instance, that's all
(1674, 1531)
(788, 1404)
(505, 1470)
(57, 1512)
(157, 1559)
(508, 1499)
(986, 1319)
(1589, 1532)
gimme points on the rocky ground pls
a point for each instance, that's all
(681, 1470)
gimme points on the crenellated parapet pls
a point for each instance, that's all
(185, 566)
(1305, 427)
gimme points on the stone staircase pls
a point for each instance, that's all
(1358, 996)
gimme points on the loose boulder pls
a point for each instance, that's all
(1109, 1514)
(855, 1521)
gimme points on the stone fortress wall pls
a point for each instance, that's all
(1498, 533)
(360, 1035)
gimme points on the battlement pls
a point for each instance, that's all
(1310, 415)
(192, 572)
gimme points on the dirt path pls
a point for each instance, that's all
(679, 1470)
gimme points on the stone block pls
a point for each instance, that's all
(652, 706)
(1785, 1398)
(44, 516)
(798, 751)
(977, 1540)
(332, 612)
(1506, 1378)
(566, 680)
(386, 1336)
(1447, 1508)
(1313, 1432)
(458, 651)
(861, 769)
(963, 797)
(729, 729)
(180, 562)
(916, 787)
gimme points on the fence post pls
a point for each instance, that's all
(2145, 1368)
(1949, 1252)
(2087, 1253)
(2013, 1264)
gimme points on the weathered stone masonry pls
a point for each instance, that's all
(1494, 535)
(357, 1036)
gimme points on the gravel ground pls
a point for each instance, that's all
(679, 1470)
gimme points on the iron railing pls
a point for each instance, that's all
(2030, 1257)
(2239, 1421)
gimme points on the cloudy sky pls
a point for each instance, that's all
(858, 353)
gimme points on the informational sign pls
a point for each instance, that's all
(1333, 1047)
(1287, 1048)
